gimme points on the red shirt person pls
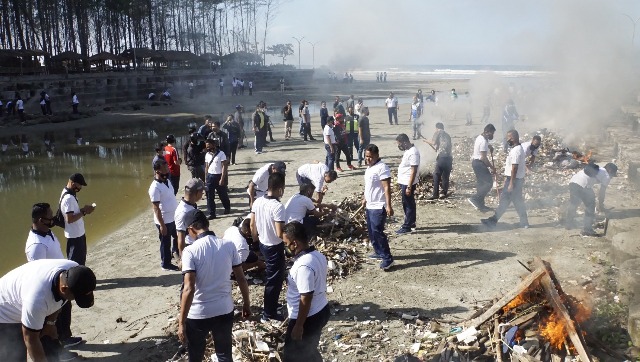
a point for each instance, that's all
(174, 161)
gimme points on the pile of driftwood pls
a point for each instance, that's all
(535, 321)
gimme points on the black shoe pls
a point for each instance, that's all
(64, 356)
(483, 209)
(227, 211)
(211, 217)
(489, 222)
(272, 140)
(71, 341)
(170, 267)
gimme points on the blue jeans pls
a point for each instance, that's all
(409, 207)
(444, 165)
(393, 112)
(515, 196)
(306, 349)
(330, 159)
(275, 273)
(220, 328)
(417, 127)
(361, 150)
(484, 181)
(303, 180)
(375, 227)
(165, 243)
(213, 186)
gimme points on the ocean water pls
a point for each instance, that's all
(421, 72)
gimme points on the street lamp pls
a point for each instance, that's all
(298, 40)
(635, 22)
(313, 47)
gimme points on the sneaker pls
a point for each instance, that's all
(474, 204)
(258, 152)
(339, 169)
(351, 167)
(65, 355)
(170, 267)
(359, 164)
(278, 317)
(489, 222)
(403, 231)
(484, 209)
(211, 217)
(375, 256)
(71, 341)
(386, 265)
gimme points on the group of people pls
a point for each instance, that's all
(237, 86)
(16, 106)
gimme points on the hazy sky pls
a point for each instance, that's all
(365, 33)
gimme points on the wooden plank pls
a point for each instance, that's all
(498, 340)
(521, 287)
(553, 297)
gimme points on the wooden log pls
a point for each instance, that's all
(552, 291)
(522, 319)
(521, 287)
(498, 340)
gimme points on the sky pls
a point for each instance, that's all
(362, 33)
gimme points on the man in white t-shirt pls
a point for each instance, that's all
(306, 297)
(41, 242)
(164, 205)
(216, 166)
(240, 236)
(260, 181)
(377, 200)
(581, 191)
(267, 221)
(20, 107)
(514, 172)
(330, 143)
(414, 117)
(392, 107)
(317, 174)
(250, 87)
(531, 149)
(206, 303)
(74, 102)
(408, 179)
(300, 207)
(483, 168)
(193, 191)
(30, 300)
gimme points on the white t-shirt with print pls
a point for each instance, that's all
(69, 204)
(373, 190)
(233, 234)
(516, 157)
(267, 212)
(212, 259)
(215, 162)
(297, 207)
(42, 246)
(159, 192)
(411, 157)
(480, 145)
(308, 274)
(314, 172)
(328, 131)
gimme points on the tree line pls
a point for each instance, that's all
(88, 27)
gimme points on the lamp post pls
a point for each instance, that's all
(313, 49)
(634, 22)
(298, 40)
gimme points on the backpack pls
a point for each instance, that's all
(58, 218)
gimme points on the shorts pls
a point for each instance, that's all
(289, 122)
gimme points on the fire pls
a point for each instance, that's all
(554, 331)
(582, 158)
(517, 301)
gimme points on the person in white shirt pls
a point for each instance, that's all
(30, 300)
(164, 205)
(74, 102)
(330, 143)
(240, 236)
(260, 181)
(408, 179)
(206, 303)
(531, 149)
(191, 89)
(300, 207)
(514, 172)
(41, 242)
(581, 191)
(414, 117)
(267, 222)
(193, 191)
(482, 167)
(166, 96)
(216, 165)
(306, 297)
(317, 174)
(377, 201)
(20, 107)
(250, 87)
(392, 107)
(221, 86)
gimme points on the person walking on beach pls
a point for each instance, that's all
(306, 116)
(408, 179)
(330, 143)
(164, 205)
(351, 123)
(324, 115)
(173, 161)
(74, 219)
(515, 171)
(221, 86)
(260, 181)
(364, 134)
(287, 114)
(318, 175)
(193, 191)
(74, 102)
(217, 167)
(301, 117)
(306, 297)
(441, 143)
(31, 297)
(250, 87)
(483, 168)
(392, 108)
(43, 104)
(341, 138)
(377, 201)
(414, 117)
(206, 303)
(20, 107)
(260, 121)
(267, 224)
(234, 133)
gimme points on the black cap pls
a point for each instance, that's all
(78, 178)
(280, 166)
(171, 138)
(612, 169)
(82, 283)
(192, 216)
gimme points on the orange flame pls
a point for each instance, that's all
(582, 158)
(554, 331)
(517, 301)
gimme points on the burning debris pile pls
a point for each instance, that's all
(536, 321)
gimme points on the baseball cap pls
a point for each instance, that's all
(78, 178)
(192, 216)
(280, 166)
(339, 115)
(82, 283)
(195, 184)
(612, 169)
(239, 106)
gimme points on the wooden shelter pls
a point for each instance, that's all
(21, 61)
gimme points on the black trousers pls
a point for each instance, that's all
(578, 195)
(175, 183)
(342, 147)
(233, 148)
(76, 251)
(275, 272)
(444, 165)
(484, 181)
(306, 349)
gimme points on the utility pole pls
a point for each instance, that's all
(298, 40)
(313, 48)
(634, 22)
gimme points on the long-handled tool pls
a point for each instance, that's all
(495, 177)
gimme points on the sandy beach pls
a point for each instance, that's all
(443, 270)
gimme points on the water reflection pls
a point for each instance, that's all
(114, 160)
